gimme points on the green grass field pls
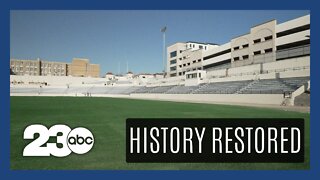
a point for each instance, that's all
(105, 117)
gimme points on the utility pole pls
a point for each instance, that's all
(119, 68)
(163, 30)
(127, 67)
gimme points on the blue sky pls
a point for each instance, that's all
(110, 37)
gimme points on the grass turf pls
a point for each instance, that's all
(105, 117)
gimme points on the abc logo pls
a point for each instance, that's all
(79, 140)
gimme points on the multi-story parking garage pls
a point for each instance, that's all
(266, 42)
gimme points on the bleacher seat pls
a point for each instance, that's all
(221, 87)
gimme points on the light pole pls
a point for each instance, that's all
(163, 30)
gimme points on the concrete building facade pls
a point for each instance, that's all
(51, 68)
(184, 57)
(266, 42)
(78, 68)
(25, 67)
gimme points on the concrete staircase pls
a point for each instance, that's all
(172, 89)
(200, 87)
(246, 87)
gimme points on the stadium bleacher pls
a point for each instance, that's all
(295, 82)
(274, 86)
(161, 89)
(221, 87)
(182, 89)
(262, 86)
(143, 89)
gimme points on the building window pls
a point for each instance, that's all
(268, 38)
(173, 68)
(236, 58)
(193, 46)
(245, 46)
(257, 52)
(199, 60)
(190, 76)
(173, 61)
(194, 61)
(200, 47)
(268, 50)
(173, 54)
(245, 57)
(236, 48)
(256, 41)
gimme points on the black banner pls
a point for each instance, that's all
(215, 140)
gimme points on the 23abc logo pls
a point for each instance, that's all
(79, 140)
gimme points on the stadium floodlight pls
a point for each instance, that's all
(163, 30)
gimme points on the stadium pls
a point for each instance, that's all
(264, 73)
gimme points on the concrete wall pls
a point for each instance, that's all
(240, 99)
(57, 80)
(243, 70)
(270, 99)
(166, 81)
(294, 67)
(287, 64)
(216, 73)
